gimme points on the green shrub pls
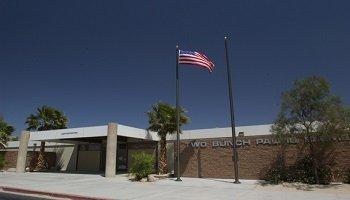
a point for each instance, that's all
(275, 175)
(347, 176)
(277, 172)
(301, 171)
(142, 165)
(325, 174)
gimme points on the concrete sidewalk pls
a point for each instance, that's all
(190, 188)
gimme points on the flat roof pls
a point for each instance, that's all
(92, 131)
(128, 131)
(224, 132)
(56, 137)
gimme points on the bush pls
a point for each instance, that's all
(301, 171)
(277, 172)
(275, 175)
(347, 176)
(142, 165)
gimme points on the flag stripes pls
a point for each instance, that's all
(195, 58)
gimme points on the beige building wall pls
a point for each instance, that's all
(66, 157)
(66, 154)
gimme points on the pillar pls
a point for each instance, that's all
(22, 152)
(111, 150)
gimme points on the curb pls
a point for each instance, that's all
(50, 194)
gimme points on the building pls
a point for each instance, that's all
(203, 152)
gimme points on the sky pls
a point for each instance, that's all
(110, 61)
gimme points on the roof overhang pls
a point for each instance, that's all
(89, 132)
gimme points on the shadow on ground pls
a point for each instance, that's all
(302, 186)
(100, 173)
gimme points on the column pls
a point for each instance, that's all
(22, 152)
(111, 150)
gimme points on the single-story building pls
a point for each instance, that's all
(203, 152)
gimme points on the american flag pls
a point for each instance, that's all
(195, 58)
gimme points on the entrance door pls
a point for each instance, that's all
(89, 157)
(122, 157)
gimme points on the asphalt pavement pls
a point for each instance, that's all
(12, 196)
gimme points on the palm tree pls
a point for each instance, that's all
(162, 119)
(46, 118)
(5, 132)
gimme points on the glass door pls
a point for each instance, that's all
(122, 156)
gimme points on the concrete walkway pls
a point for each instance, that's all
(190, 188)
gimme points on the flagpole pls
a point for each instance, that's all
(177, 117)
(233, 126)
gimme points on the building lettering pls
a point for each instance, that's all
(69, 133)
(260, 141)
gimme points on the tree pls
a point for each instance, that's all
(5, 132)
(46, 118)
(311, 113)
(162, 119)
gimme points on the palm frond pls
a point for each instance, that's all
(46, 118)
(162, 118)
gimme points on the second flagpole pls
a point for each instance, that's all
(177, 117)
(233, 126)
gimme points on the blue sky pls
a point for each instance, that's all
(103, 61)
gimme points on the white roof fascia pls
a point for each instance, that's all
(70, 133)
(222, 132)
(15, 144)
(138, 133)
(94, 131)
(128, 131)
